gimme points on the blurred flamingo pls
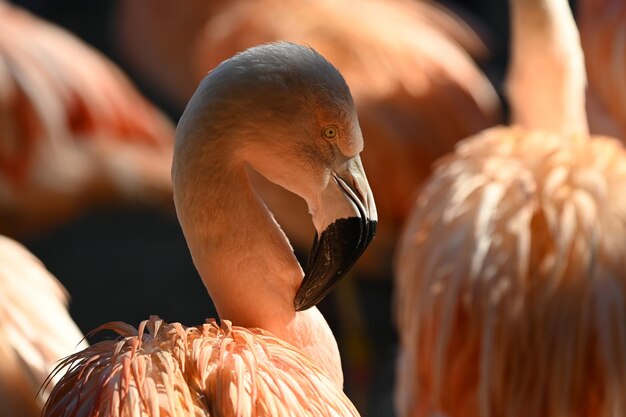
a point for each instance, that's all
(408, 63)
(36, 330)
(74, 132)
(303, 109)
(510, 274)
(602, 31)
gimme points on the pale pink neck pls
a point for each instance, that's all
(248, 266)
(546, 79)
(243, 257)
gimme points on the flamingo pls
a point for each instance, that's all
(602, 24)
(409, 64)
(74, 132)
(510, 282)
(412, 71)
(35, 329)
(283, 110)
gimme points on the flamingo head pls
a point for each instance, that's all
(285, 111)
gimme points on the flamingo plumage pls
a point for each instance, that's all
(74, 131)
(409, 64)
(603, 31)
(285, 111)
(510, 283)
(36, 330)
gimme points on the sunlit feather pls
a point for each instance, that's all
(208, 370)
(510, 274)
(36, 330)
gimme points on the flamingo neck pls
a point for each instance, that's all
(546, 79)
(244, 259)
(248, 265)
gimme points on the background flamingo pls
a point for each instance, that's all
(510, 275)
(36, 330)
(245, 260)
(74, 132)
(602, 24)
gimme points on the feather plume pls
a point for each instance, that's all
(166, 370)
(510, 279)
(35, 329)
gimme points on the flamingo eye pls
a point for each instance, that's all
(329, 132)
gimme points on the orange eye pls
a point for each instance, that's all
(329, 132)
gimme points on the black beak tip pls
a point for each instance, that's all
(332, 256)
(300, 304)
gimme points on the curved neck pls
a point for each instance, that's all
(246, 261)
(546, 77)
(243, 257)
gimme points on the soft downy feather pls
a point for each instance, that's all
(515, 252)
(36, 330)
(208, 370)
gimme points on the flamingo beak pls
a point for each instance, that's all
(346, 223)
